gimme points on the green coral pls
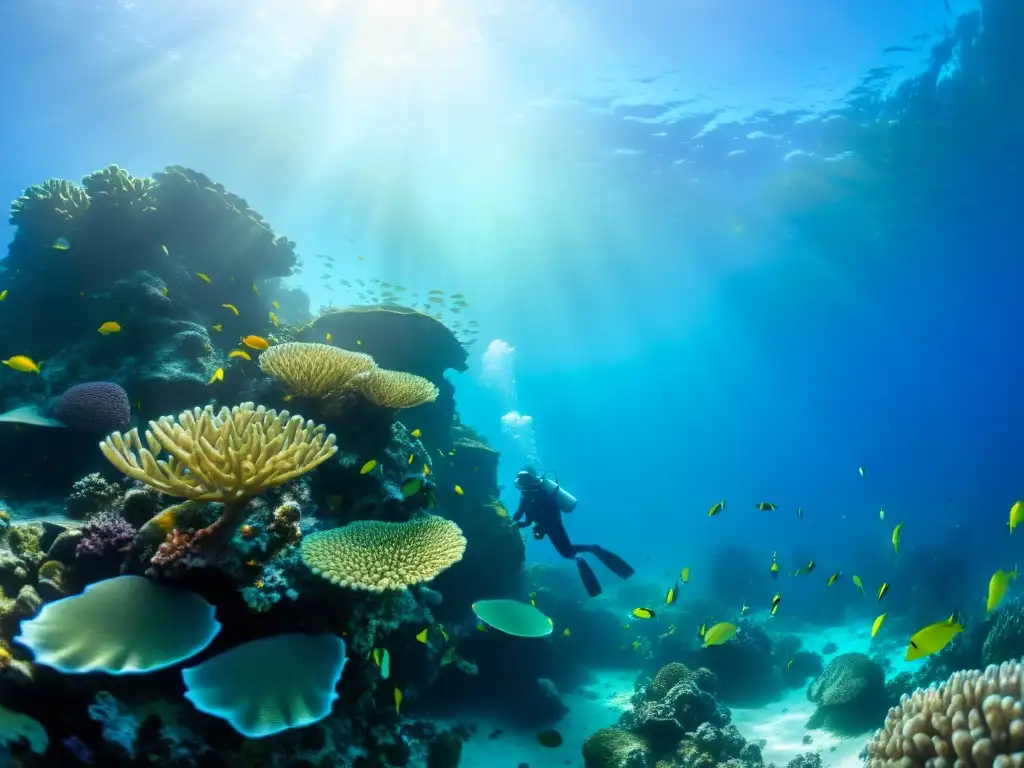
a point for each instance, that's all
(666, 679)
(49, 209)
(614, 748)
(114, 189)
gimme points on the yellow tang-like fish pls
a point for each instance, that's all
(833, 579)
(644, 613)
(3, 294)
(766, 506)
(218, 375)
(458, 490)
(368, 467)
(232, 307)
(22, 364)
(997, 586)
(204, 277)
(717, 507)
(722, 632)
(275, 304)
(883, 590)
(932, 639)
(109, 327)
(422, 636)
(398, 701)
(1016, 514)
(255, 289)
(672, 595)
(896, 537)
(685, 574)
(164, 249)
(877, 625)
(255, 342)
(61, 244)
(417, 433)
(217, 327)
(776, 602)
(859, 584)
(239, 353)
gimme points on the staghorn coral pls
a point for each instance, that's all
(228, 457)
(393, 389)
(379, 556)
(973, 719)
(315, 371)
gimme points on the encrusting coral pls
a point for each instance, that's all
(379, 556)
(973, 719)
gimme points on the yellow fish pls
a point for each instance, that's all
(426, 470)
(458, 490)
(701, 630)
(359, 342)
(218, 375)
(3, 294)
(204, 277)
(776, 602)
(997, 586)
(22, 364)
(164, 249)
(932, 639)
(422, 637)
(232, 307)
(274, 319)
(896, 537)
(239, 353)
(685, 574)
(368, 467)
(672, 595)
(417, 433)
(398, 701)
(643, 613)
(566, 632)
(722, 632)
(716, 508)
(255, 342)
(275, 304)
(881, 513)
(481, 627)
(109, 327)
(61, 244)
(162, 290)
(859, 584)
(789, 663)
(766, 506)
(328, 337)
(833, 579)
(877, 625)
(882, 590)
(412, 457)
(1016, 511)
(255, 289)
(533, 599)
(774, 570)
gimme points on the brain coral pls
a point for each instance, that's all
(667, 678)
(845, 679)
(973, 719)
(96, 406)
(379, 556)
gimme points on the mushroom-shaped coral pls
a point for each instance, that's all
(315, 371)
(229, 456)
(393, 389)
(973, 719)
(120, 626)
(267, 686)
(513, 618)
(380, 556)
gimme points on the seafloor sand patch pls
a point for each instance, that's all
(595, 705)
(781, 725)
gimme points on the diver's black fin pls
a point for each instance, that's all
(593, 586)
(613, 562)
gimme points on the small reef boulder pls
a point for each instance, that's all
(616, 748)
(850, 694)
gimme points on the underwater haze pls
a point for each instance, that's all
(739, 277)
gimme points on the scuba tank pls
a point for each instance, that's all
(529, 480)
(565, 500)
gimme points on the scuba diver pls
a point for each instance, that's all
(541, 504)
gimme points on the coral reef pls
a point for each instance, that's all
(849, 694)
(973, 719)
(615, 748)
(1005, 638)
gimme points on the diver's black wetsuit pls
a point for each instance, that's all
(540, 509)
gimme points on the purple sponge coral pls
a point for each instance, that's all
(96, 406)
